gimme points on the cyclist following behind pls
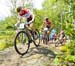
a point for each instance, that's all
(62, 36)
(47, 25)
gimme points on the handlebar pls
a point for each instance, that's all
(21, 25)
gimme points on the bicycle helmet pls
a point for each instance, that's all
(18, 9)
(46, 19)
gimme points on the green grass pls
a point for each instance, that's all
(6, 40)
(2, 45)
(5, 44)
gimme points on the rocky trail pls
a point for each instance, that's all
(41, 56)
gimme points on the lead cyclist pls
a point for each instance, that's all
(28, 15)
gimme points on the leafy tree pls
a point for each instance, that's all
(8, 23)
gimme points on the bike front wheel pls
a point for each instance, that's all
(21, 43)
(45, 39)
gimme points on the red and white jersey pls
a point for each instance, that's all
(48, 23)
(25, 13)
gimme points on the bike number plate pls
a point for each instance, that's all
(21, 26)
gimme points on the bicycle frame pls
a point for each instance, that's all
(29, 32)
(31, 37)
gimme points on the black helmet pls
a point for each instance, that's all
(18, 9)
(46, 18)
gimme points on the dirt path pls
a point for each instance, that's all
(41, 56)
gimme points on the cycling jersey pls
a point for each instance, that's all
(27, 14)
(48, 24)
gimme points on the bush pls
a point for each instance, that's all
(2, 45)
(72, 47)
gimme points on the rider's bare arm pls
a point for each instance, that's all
(19, 19)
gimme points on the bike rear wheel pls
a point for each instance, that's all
(21, 43)
(36, 37)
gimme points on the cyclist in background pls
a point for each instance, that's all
(62, 36)
(47, 26)
(47, 23)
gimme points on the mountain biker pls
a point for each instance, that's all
(53, 34)
(62, 36)
(26, 13)
(47, 24)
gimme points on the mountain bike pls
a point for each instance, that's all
(23, 39)
(45, 36)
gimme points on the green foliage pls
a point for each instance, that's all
(69, 54)
(70, 58)
(2, 45)
(5, 42)
(56, 61)
(8, 23)
(39, 17)
(72, 47)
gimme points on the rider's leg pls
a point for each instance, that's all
(32, 27)
(32, 30)
(48, 32)
(29, 33)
